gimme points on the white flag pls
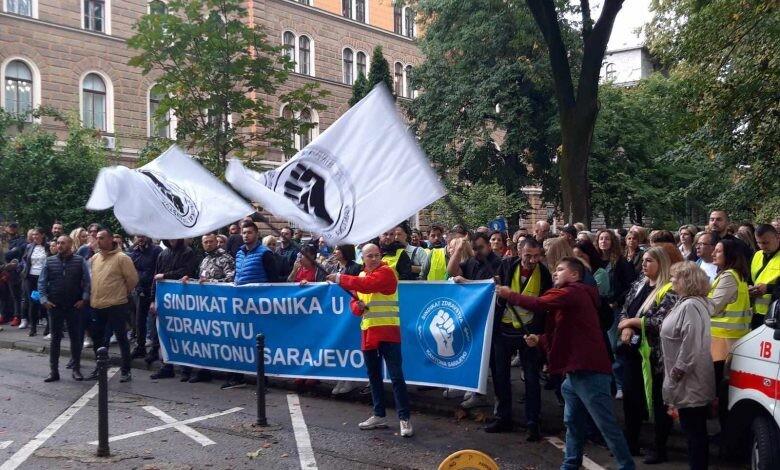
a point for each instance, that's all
(359, 178)
(170, 197)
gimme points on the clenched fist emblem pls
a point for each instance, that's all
(442, 327)
(307, 189)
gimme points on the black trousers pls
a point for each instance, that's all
(634, 401)
(115, 317)
(662, 421)
(60, 315)
(142, 303)
(33, 308)
(694, 423)
(501, 369)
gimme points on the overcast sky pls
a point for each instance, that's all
(633, 15)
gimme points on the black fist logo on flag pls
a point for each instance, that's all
(306, 188)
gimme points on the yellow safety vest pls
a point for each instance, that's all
(734, 321)
(382, 309)
(392, 261)
(438, 269)
(659, 297)
(532, 288)
(769, 274)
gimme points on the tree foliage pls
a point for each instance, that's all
(215, 72)
(724, 56)
(486, 117)
(379, 73)
(41, 181)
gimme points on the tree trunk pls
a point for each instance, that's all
(577, 126)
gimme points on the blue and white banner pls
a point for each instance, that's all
(310, 331)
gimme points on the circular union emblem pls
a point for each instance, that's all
(444, 334)
(317, 183)
(173, 198)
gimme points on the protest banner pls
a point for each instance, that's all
(311, 332)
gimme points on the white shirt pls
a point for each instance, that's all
(710, 269)
(37, 260)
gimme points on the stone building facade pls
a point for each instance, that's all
(72, 55)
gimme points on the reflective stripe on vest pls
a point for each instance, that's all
(392, 261)
(734, 321)
(769, 274)
(532, 288)
(382, 309)
(438, 269)
(659, 297)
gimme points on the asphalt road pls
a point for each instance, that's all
(192, 426)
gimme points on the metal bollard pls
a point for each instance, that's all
(261, 418)
(102, 368)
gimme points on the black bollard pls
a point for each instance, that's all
(102, 368)
(261, 418)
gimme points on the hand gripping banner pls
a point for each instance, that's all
(311, 332)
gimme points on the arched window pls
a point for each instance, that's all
(159, 126)
(305, 137)
(361, 64)
(18, 88)
(299, 141)
(408, 91)
(304, 52)
(398, 79)
(289, 45)
(158, 7)
(610, 72)
(22, 7)
(94, 110)
(348, 64)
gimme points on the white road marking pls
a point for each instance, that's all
(168, 426)
(25, 452)
(302, 440)
(5, 444)
(182, 428)
(586, 462)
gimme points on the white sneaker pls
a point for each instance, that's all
(112, 340)
(23, 325)
(337, 388)
(516, 361)
(406, 428)
(373, 422)
(348, 385)
(87, 342)
(148, 342)
(619, 395)
(453, 393)
(47, 337)
(474, 401)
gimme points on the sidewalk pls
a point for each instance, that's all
(424, 399)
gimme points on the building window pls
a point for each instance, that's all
(18, 88)
(361, 64)
(408, 91)
(409, 22)
(303, 139)
(289, 45)
(346, 8)
(300, 50)
(360, 10)
(21, 7)
(398, 79)
(94, 111)
(610, 72)
(158, 126)
(95, 15)
(304, 2)
(397, 19)
(354, 10)
(348, 64)
(158, 7)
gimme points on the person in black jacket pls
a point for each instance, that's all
(144, 254)
(34, 259)
(64, 286)
(394, 254)
(175, 262)
(527, 275)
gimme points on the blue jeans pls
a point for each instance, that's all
(391, 352)
(589, 392)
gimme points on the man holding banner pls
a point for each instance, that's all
(377, 304)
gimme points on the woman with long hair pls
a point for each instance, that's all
(649, 301)
(557, 250)
(687, 249)
(689, 379)
(34, 258)
(79, 237)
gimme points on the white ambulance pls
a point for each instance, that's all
(753, 373)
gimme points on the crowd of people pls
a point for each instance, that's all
(646, 318)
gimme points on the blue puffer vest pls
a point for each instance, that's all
(249, 265)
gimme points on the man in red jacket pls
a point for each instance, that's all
(377, 304)
(575, 347)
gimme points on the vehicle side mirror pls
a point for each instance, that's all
(773, 315)
(776, 336)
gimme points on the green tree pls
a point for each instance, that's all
(359, 89)
(42, 182)
(487, 115)
(725, 54)
(380, 71)
(215, 72)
